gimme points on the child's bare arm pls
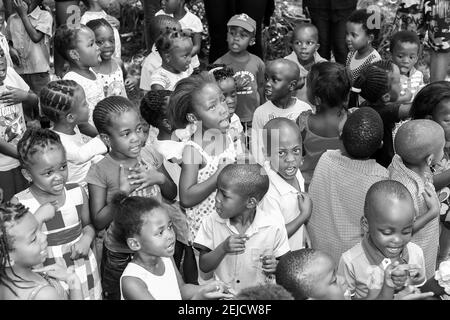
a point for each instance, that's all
(81, 247)
(100, 212)
(9, 149)
(22, 8)
(305, 206)
(197, 42)
(433, 205)
(135, 289)
(88, 129)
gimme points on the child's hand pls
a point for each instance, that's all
(305, 204)
(143, 178)
(213, 291)
(235, 243)
(46, 212)
(15, 56)
(21, 7)
(80, 249)
(124, 183)
(13, 96)
(62, 273)
(241, 82)
(432, 200)
(130, 83)
(412, 293)
(269, 263)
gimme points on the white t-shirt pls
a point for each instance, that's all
(269, 111)
(12, 120)
(168, 79)
(189, 21)
(93, 90)
(81, 151)
(91, 15)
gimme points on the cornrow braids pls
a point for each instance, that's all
(371, 84)
(36, 140)
(161, 23)
(97, 23)
(220, 71)
(10, 214)
(106, 108)
(165, 42)
(56, 98)
(152, 107)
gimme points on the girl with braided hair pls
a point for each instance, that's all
(69, 230)
(122, 169)
(64, 103)
(22, 246)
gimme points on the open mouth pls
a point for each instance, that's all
(394, 251)
(290, 171)
(225, 123)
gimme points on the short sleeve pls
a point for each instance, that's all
(260, 77)
(159, 78)
(95, 176)
(195, 24)
(302, 119)
(345, 270)
(281, 245)
(15, 80)
(271, 203)
(205, 234)
(45, 23)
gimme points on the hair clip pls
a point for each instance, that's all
(356, 90)
(215, 69)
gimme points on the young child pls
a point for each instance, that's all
(23, 246)
(282, 79)
(122, 169)
(198, 104)
(309, 274)
(305, 43)
(328, 86)
(419, 144)
(69, 232)
(109, 70)
(340, 183)
(264, 292)
(388, 223)
(78, 47)
(379, 85)
(175, 50)
(15, 99)
(30, 30)
(283, 149)
(96, 10)
(64, 103)
(240, 242)
(189, 22)
(359, 39)
(405, 48)
(249, 69)
(145, 227)
(225, 79)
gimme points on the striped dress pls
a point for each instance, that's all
(64, 230)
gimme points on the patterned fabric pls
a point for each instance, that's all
(113, 84)
(196, 214)
(338, 190)
(50, 283)
(355, 66)
(413, 82)
(63, 231)
(427, 237)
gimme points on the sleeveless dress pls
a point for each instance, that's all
(50, 283)
(113, 84)
(164, 287)
(62, 232)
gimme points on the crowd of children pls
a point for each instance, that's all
(297, 178)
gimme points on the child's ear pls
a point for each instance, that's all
(74, 55)
(364, 224)
(293, 85)
(133, 244)
(252, 203)
(26, 174)
(317, 46)
(252, 41)
(317, 101)
(167, 56)
(166, 124)
(386, 97)
(191, 118)
(371, 38)
(105, 139)
(70, 118)
(381, 144)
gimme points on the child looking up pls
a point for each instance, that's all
(388, 223)
(189, 22)
(144, 225)
(305, 43)
(198, 104)
(328, 86)
(23, 246)
(240, 242)
(359, 39)
(405, 48)
(30, 30)
(282, 80)
(109, 70)
(283, 149)
(419, 144)
(69, 232)
(122, 169)
(249, 69)
(96, 10)
(174, 48)
(78, 47)
(64, 103)
(340, 183)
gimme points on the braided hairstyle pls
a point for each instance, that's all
(10, 215)
(220, 71)
(152, 107)
(66, 40)
(113, 105)
(36, 140)
(166, 41)
(97, 23)
(57, 98)
(161, 23)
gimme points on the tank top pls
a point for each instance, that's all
(164, 287)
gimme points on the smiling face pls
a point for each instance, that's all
(325, 285)
(390, 224)
(104, 38)
(356, 36)
(228, 87)
(238, 39)
(278, 81)
(48, 169)
(405, 56)
(210, 107)
(156, 236)
(29, 244)
(87, 49)
(229, 202)
(125, 135)
(305, 44)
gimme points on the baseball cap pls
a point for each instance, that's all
(244, 21)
